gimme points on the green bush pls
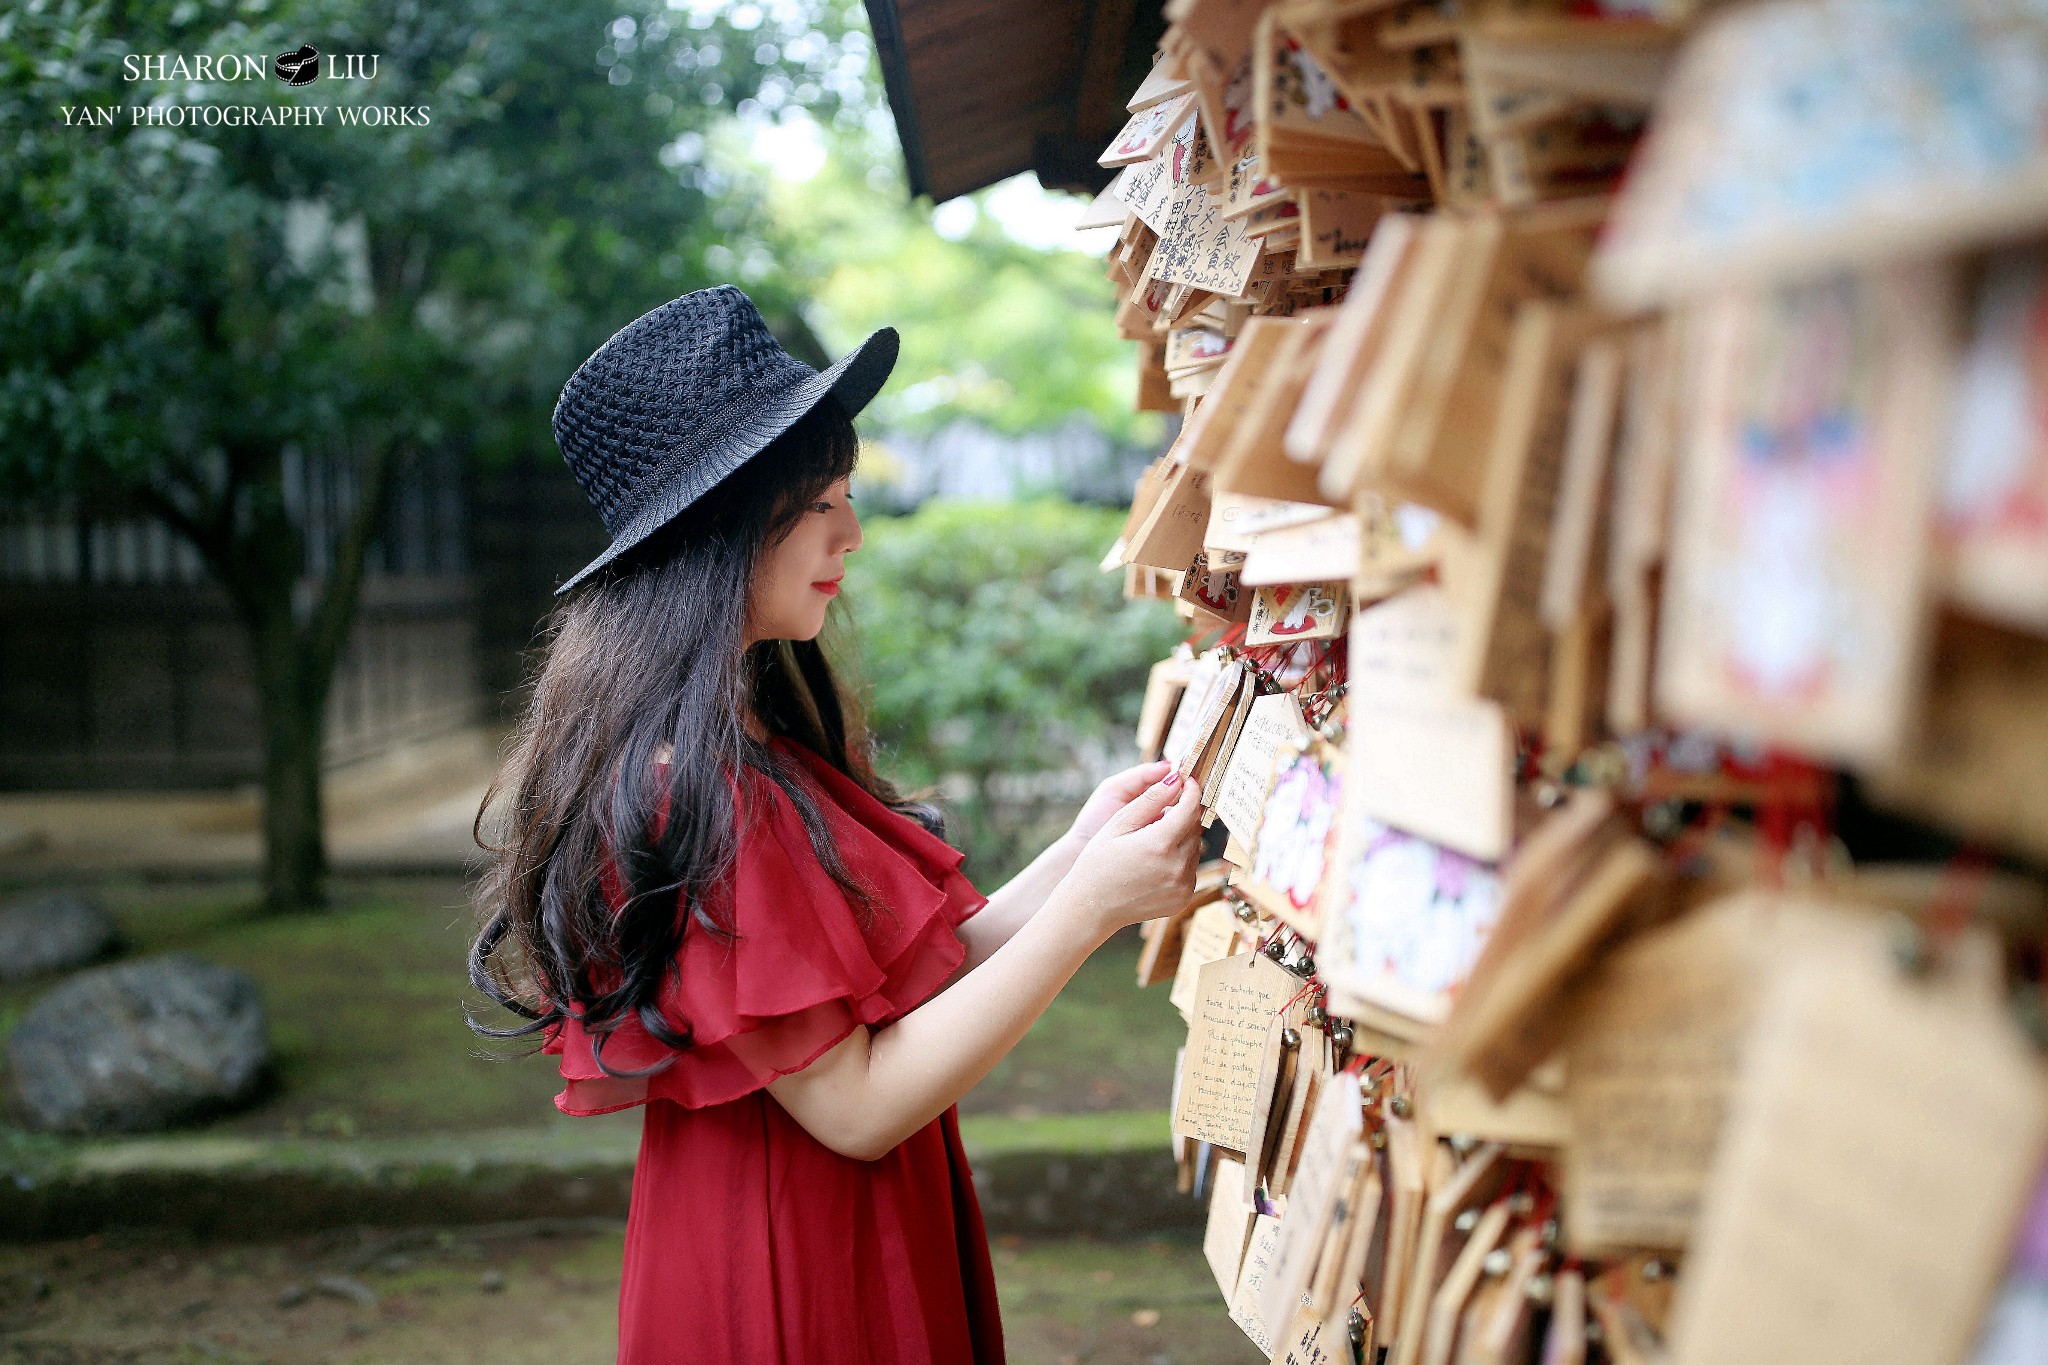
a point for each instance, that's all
(998, 658)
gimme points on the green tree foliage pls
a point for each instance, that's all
(179, 305)
(997, 650)
(1016, 337)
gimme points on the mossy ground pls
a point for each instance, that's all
(365, 1003)
(514, 1295)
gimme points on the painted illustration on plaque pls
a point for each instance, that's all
(1296, 831)
(1404, 919)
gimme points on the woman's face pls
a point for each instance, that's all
(799, 576)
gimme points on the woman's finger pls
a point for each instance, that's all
(1147, 806)
(1128, 783)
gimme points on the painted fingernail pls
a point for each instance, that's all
(1172, 779)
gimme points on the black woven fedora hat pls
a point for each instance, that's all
(681, 397)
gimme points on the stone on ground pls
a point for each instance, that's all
(51, 932)
(138, 1047)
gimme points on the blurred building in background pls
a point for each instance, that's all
(122, 665)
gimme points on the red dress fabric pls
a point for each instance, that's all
(749, 1241)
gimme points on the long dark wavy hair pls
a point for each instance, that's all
(650, 657)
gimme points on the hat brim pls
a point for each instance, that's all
(853, 380)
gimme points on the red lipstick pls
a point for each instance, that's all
(829, 587)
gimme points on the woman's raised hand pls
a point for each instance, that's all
(1112, 794)
(1141, 863)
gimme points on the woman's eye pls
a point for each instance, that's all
(821, 507)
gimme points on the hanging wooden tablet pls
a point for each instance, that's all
(1447, 1305)
(1564, 1339)
(1499, 108)
(1150, 483)
(1325, 550)
(1439, 453)
(1885, 1135)
(1212, 583)
(1107, 210)
(1652, 1042)
(1398, 544)
(1994, 496)
(1163, 82)
(1403, 920)
(1215, 712)
(1164, 686)
(1211, 935)
(1223, 100)
(1550, 932)
(1235, 518)
(1200, 248)
(1154, 392)
(1402, 649)
(1347, 353)
(1247, 188)
(1582, 149)
(1218, 30)
(1570, 572)
(1435, 1244)
(1297, 832)
(1229, 1228)
(1288, 612)
(1141, 138)
(1207, 771)
(1214, 425)
(1974, 765)
(1626, 64)
(1171, 535)
(1195, 348)
(1251, 1284)
(1331, 1153)
(1281, 1076)
(1255, 460)
(1531, 1121)
(1149, 188)
(1273, 721)
(1317, 1067)
(1357, 453)
(1203, 676)
(1235, 1000)
(1310, 1341)
(1467, 164)
(1506, 648)
(1795, 602)
(1638, 513)
(1159, 958)
(1341, 1273)
(1307, 132)
(1427, 125)
(1626, 1335)
(1442, 771)
(1498, 1327)
(1576, 696)
(1336, 227)
(1917, 156)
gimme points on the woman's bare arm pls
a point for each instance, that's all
(878, 1086)
(1014, 902)
(1017, 900)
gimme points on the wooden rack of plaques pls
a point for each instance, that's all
(1608, 428)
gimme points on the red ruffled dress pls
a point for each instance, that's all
(749, 1241)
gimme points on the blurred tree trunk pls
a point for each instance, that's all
(296, 626)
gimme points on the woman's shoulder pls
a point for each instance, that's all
(800, 965)
(855, 805)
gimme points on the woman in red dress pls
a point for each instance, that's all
(707, 902)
